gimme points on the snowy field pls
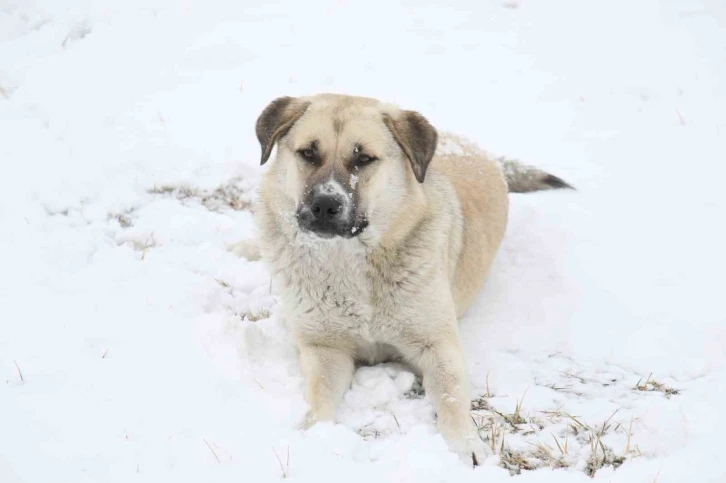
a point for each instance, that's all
(134, 347)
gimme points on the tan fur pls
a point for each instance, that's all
(482, 193)
(395, 290)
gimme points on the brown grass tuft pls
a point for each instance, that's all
(651, 385)
(231, 195)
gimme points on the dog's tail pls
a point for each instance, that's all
(524, 179)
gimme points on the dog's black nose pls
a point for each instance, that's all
(326, 207)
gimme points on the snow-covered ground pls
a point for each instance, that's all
(134, 347)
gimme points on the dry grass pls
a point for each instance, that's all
(557, 438)
(231, 195)
(681, 119)
(553, 449)
(600, 456)
(651, 385)
(479, 404)
(396, 420)
(545, 453)
(634, 450)
(515, 461)
(253, 316)
(212, 450)
(125, 219)
(366, 433)
(250, 315)
(558, 455)
(489, 392)
(286, 467)
(20, 373)
(144, 247)
(553, 415)
(515, 420)
(494, 426)
(564, 447)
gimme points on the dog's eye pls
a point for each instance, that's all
(365, 159)
(308, 154)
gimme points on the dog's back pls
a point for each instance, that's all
(482, 195)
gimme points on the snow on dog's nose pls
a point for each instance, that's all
(328, 210)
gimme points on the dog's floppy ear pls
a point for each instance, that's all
(277, 118)
(416, 137)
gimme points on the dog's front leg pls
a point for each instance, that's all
(328, 374)
(446, 383)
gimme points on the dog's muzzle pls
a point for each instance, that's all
(329, 215)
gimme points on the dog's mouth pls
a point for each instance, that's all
(329, 230)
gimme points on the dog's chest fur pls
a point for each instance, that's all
(335, 294)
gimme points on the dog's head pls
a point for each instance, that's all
(345, 163)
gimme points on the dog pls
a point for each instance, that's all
(380, 232)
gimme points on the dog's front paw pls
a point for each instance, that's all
(308, 421)
(311, 419)
(471, 449)
(248, 249)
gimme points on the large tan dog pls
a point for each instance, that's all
(379, 242)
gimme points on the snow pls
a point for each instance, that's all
(149, 352)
